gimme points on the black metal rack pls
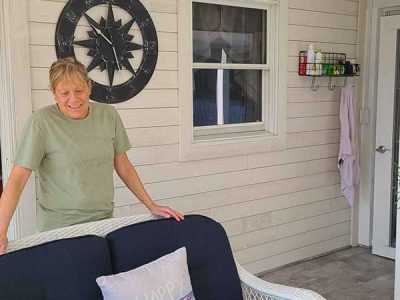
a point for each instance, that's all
(332, 65)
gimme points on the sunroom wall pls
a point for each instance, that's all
(277, 207)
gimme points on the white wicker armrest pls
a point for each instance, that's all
(99, 228)
(256, 288)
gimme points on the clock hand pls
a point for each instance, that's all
(113, 47)
(117, 62)
(99, 32)
(115, 53)
(116, 58)
(93, 24)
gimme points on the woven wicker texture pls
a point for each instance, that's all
(252, 286)
(99, 228)
(256, 288)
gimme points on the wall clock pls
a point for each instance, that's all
(111, 46)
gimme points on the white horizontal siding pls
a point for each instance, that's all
(297, 232)
(290, 243)
(248, 193)
(214, 182)
(177, 170)
(285, 213)
(322, 19)
(277, 207)
(312, 109)
(294, 46)
(153, 136)
(166, 6)
(48, 12)
(322, 34)
(304, 95)
(154, 154)
(133, 118)
(331, 243)
(301, 139)
(340, 7)
(292, 155)
(279, 231)
(312, 123)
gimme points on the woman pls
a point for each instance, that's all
(74, 145)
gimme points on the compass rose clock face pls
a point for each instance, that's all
(120, 54)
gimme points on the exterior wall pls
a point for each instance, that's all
(277, 207)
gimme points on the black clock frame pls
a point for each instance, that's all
(64, 41)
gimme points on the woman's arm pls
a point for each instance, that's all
(9, 200)
(129, 176)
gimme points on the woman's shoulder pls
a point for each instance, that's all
(44, 113)
(102, 106)
(41, 117)
(102, 109)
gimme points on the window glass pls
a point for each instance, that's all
(228, 34)
(226, 96)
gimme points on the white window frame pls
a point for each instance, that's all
(236, 139)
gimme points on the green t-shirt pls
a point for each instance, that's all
(75, 162)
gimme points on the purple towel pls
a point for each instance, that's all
(348, 153)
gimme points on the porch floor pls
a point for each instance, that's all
(347, 274)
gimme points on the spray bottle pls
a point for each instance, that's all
(318, 62)
(310, 60)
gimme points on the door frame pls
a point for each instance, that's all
(374, 10)
(385, 116)
(15, 104)
(369, 78)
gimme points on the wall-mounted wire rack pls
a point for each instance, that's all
(331, 65)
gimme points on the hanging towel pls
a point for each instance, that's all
(348, 152)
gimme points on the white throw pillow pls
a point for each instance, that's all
(164, 278)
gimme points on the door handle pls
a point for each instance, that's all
(381, 149)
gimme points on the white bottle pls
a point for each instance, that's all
(318, 62)
(310, 60)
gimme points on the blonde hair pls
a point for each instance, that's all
(70, 69)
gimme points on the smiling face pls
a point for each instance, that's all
(72, 97)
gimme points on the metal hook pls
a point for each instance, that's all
(314, 87)
(331, 86)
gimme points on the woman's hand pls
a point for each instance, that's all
(165, 211)
(129, 176)
(3, 243)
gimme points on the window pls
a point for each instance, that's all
(232, 77)
(229, 64)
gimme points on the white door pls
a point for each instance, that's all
(387, 137)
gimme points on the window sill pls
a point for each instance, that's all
(232, 144)
(234, 137)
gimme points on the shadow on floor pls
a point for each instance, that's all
(348, 274)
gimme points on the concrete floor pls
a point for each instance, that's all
(348, 274)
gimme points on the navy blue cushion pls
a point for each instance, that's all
(212, 269)
(64, 269)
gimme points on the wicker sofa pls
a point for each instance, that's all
(59, 264)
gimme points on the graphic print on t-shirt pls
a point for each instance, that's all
(87, 156)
